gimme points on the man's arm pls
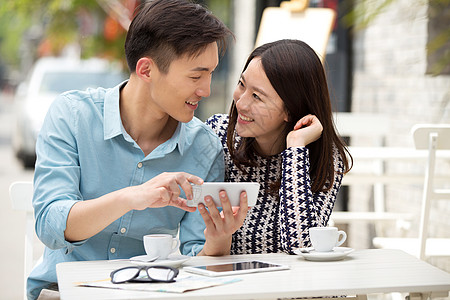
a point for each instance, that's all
(87, 218)
(62, 213)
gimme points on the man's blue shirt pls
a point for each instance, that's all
(83, 152)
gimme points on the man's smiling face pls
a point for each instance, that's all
(186, 82)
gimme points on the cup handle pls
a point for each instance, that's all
(176, 246)
(343, 236)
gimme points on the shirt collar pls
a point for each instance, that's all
(178, 137)
(111, 111)
(178, 140)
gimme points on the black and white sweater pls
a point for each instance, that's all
(279, 224)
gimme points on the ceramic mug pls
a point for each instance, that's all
(324, 239)
(160, 245)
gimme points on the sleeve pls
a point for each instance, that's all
(192, 226)
(212, 122)
(219, 124)
(300, 208)
(57, 175)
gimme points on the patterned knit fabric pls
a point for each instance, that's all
(279, 224)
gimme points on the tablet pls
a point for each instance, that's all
(233, 190)
(235, 268)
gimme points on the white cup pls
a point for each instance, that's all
(160, 245)
(324, 239)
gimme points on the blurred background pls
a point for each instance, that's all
(390, 57)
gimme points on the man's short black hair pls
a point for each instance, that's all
(168, 29)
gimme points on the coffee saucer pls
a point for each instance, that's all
(336, 254)
(173, 260)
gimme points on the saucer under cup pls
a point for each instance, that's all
(310, 254)
(173, 260)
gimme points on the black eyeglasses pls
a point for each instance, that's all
(144, 274)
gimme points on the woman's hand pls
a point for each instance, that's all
(307, 130)
(220, 226)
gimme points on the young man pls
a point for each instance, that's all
(110, 162)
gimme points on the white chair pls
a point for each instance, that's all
(362, 124)
(21, 194)
(433, 138)
(377, 126)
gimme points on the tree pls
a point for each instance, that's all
(438, 47)
(93, 25)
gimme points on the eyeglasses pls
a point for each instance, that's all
(144, 274)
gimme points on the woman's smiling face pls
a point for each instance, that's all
(261, 112)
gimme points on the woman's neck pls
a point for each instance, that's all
(269, 148)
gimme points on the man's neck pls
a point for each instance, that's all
(148, 126)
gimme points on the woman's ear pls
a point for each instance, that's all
(286, 116)
(144, 68)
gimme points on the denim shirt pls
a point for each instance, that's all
(83, 152)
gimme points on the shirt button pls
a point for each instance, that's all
(113, 250)
(123, 230)
(139, 165)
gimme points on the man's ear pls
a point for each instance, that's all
(144, 68)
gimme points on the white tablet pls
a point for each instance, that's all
(235, 268)
(233, 190)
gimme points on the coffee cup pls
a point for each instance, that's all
(324, 239)
(160, 245)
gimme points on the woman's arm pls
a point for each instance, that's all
(220, 226)
(300, 208)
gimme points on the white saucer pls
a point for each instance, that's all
(144, 258)
(337, 254)
(173, 260)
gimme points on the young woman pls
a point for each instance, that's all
(280, 133)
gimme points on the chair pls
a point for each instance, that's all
(21, 194)
(432, 138)
(377, 126)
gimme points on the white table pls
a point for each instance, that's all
(361, 273)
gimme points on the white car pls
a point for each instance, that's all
(50, 77)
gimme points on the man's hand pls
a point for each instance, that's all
(164, 190)
(87, 218)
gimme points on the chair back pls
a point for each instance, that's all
(377, 126)
(21, 195)
(351, 124)
(431, 137)
(422, 132)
